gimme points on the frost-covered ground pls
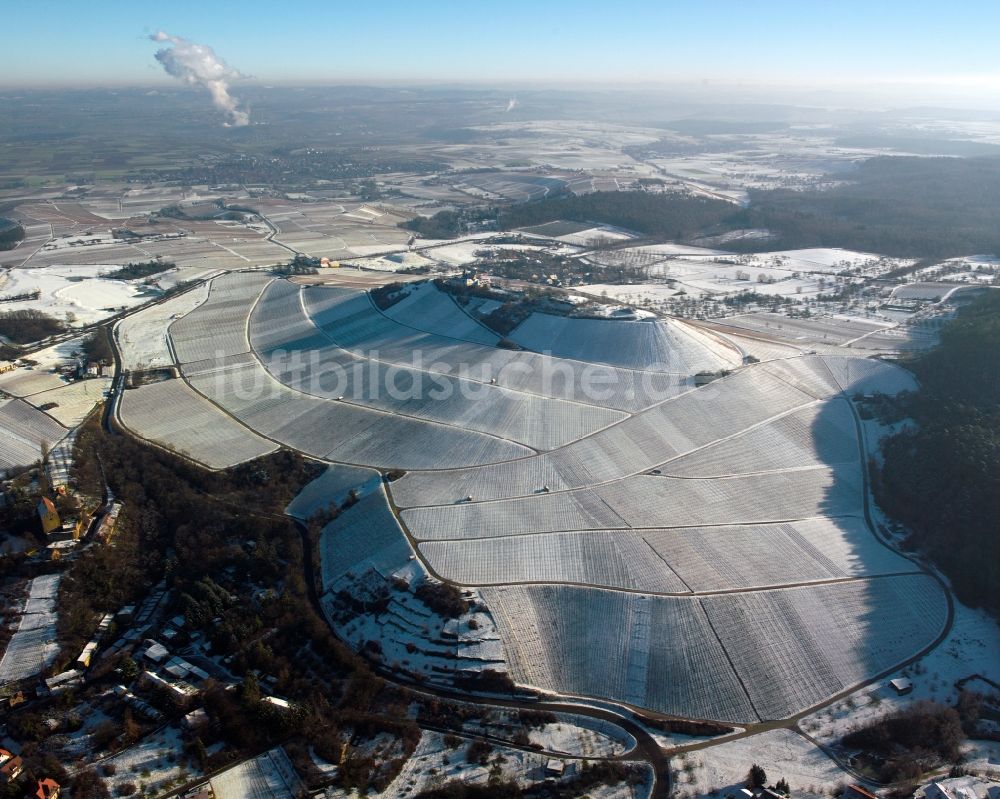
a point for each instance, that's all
(582, 736)
(722, 769)
(268, 776)
(646, 344)
(434, 764)
(772, 443)
(75, 293)
(331, 488)
(634, 293)
(172, 414)
(154, 765)
(73, 402)
(759, 467)
(971, 647)
(24, 433)
(142, 336)
(570, 734)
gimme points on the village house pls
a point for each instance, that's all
(48, 788)
(11, 767)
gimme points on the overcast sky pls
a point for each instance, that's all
(935, 47)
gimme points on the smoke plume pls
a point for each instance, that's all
(511, 103)
(198, 65)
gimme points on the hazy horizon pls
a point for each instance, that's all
(910, 52)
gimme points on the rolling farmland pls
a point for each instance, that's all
(171, 414)
(735, 657)
(637, 546)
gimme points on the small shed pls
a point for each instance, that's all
(901, 685)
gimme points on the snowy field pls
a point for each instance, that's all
(766, 491)
(75, 293)
(830, 260)
(680, 517)
(670, 560)
(217, 327)
(73, 402)
(268, 776)
(645, 441)
(33, 646)
(22, 381)
(833, 330)
(796, 274)
(692, 657)
(433, 764)
(365, 536)
(331, 488)
(153, 765)
(971, 647)
(427, 308)
(350, 320)
(722, 769)
(142, 336)
(631, 293)
(305, 359)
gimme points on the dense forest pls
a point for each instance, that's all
(445, 224)
(942, 477)
(134, 271)
(675, 216)
(905, 207)
(900, 206)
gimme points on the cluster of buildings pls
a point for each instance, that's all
(12, 766)
(64, 531)
(173, 676)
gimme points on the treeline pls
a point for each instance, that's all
(674, 216)
(97, 346)
(443, 225)
(448, 224)
(24, 327)
(942, 478)
(10, 233)
(134, 271)
(905, 207)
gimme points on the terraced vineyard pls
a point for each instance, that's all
(700, 552)
(642, 344)
(24, 431)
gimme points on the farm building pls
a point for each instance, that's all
(901, 685)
